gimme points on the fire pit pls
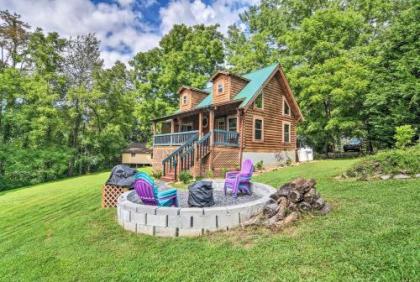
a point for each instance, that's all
(185, 221)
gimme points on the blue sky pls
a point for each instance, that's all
(125, 27)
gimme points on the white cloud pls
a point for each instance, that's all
(118, 24)
(222, 12)
(114, 25)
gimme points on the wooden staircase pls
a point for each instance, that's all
(186, 157)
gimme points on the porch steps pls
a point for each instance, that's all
(168, 177)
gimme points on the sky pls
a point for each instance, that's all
(124, 27)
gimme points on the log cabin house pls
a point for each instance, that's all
(251, 116)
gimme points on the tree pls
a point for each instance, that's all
(82, 60)
(13, 39)
(394, 99)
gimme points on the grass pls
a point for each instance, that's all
(57, 231)
(392, 161)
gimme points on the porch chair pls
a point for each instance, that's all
(240, 181)
(149, 193)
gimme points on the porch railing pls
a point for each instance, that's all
(169, 139)
(182, 154)
(226, 138)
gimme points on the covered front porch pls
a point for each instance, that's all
(221, 123)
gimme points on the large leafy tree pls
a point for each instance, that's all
(394, 99)
(334, 56)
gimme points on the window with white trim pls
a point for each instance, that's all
(286, 132)
(220, 88)
(258, 129)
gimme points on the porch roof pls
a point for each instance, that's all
(196, 110)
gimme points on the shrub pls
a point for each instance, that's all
(185, 176)
(224, 171)
(259, 165)
(387, 162)
(403, 136)
(210, 174)
(157, 173)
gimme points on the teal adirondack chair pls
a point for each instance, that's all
(162, 198)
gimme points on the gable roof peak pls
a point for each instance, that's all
(225, 72)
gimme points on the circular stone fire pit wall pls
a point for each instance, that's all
(173, 222)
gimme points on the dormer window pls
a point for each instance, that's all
(220, 88)
(184, 99)
(286, 108)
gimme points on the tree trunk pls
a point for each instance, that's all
(311, 196)
(304, 206)
(295, 196)
(270, 210)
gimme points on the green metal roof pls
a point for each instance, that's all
(256, 80)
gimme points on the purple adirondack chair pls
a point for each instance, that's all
(150, 196)
(240, 181)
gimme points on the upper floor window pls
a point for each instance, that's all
(286, 132)
(286, 107)
(258, 129)
(220, 88)
(184, 99)
(259, 102)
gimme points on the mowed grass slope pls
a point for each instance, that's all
(58, 231)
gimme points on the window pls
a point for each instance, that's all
(259, 103)
(220, 88)
(286, 132)
(184, 99)
(258, 129)
(221, 123)
(286, 108)
(133, 155)
(232, 123)
(186, 127)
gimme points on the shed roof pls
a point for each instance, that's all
(139, 148)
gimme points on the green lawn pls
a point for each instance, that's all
(58, 232)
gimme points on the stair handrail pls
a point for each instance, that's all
(202, 151)
(176, 153)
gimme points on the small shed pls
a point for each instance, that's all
(137, 154)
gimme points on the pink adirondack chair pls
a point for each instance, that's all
(240, 181)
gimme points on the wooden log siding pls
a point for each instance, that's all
(231, 86)
(193, 99)
(272, 113)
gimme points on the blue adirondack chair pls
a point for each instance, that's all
(148, 192)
